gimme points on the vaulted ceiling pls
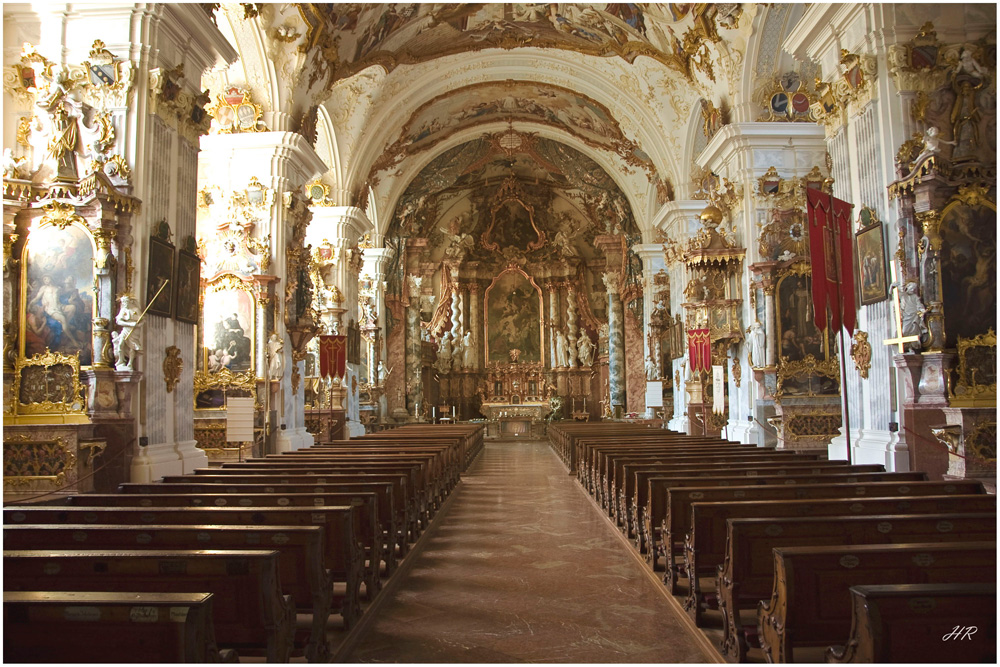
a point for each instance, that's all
(396, 86)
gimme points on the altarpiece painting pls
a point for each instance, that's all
(58, 288)
(513, 319)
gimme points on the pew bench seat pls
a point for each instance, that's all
(110, 628)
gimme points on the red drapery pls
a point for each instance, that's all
(831, 252)
(699, 349)
(332, 355)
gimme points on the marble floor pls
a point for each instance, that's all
(522, 567)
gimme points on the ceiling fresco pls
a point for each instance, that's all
(521, 101)
(405, 33)
(543, 201)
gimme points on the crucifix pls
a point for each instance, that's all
(900, 339)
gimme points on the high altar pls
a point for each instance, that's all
(516, 301)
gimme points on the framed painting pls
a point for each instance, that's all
(187, 287)
(513, 305)
(872, 283)
(228, 330)
(57, 287)
(159, 272)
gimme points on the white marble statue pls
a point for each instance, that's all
(444, 353)
(381, 374)
(457, 354)
(126, 347)
(585, 349)
(468, 351)
(561, 360)
(756, 340)
(912, 311)
(276, 357)
(652, 369)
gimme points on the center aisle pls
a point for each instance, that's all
(523, 568)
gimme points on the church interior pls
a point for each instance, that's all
(590, 254)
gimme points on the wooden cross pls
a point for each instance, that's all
(900, 338)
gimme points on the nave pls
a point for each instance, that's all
(521, 567)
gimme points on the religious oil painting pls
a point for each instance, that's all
(228, 330)
(188, 286)
(513, 319)
(58, 292)
(798, 335)
(872, 283)
(968, 271)
(160, 272)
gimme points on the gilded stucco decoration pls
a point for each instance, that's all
(861, 353)
(173, 365)
(975, 383)
(786, 99)
(47, 384)
(28, 460)
(234, 112)
(235, 216)
(177, 107)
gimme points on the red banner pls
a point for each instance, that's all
(831, 252)
(332, 355)
(699, 350)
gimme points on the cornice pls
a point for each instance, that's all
(736, 137)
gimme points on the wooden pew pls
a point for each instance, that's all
(810, 603)
(420, 496)
(79, 627)
(400, 490)
(610, 463)
(747, 573)
(300, 557)
(921, 623)
(248, 608)
(342, 553)
(705, 541)
(658, 510)
(743, 466)
(391, 507)
(679, 501)
(632, 474)
(427, 493)
(369, 535)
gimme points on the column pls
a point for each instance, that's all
(553, 322)
(616, 342)
(475, 323)
(414, 380)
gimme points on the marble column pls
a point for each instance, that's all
(770, 325)
(553, 322)
(616, 341)
(475, 309)
(571, 351)
(414, 380)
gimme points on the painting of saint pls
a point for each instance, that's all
(58, 292)
(799, 335)
(228, 331)
(969, 272)
(513, 318)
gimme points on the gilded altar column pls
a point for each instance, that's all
(413, 379)
(616, 341)
(475, 324)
